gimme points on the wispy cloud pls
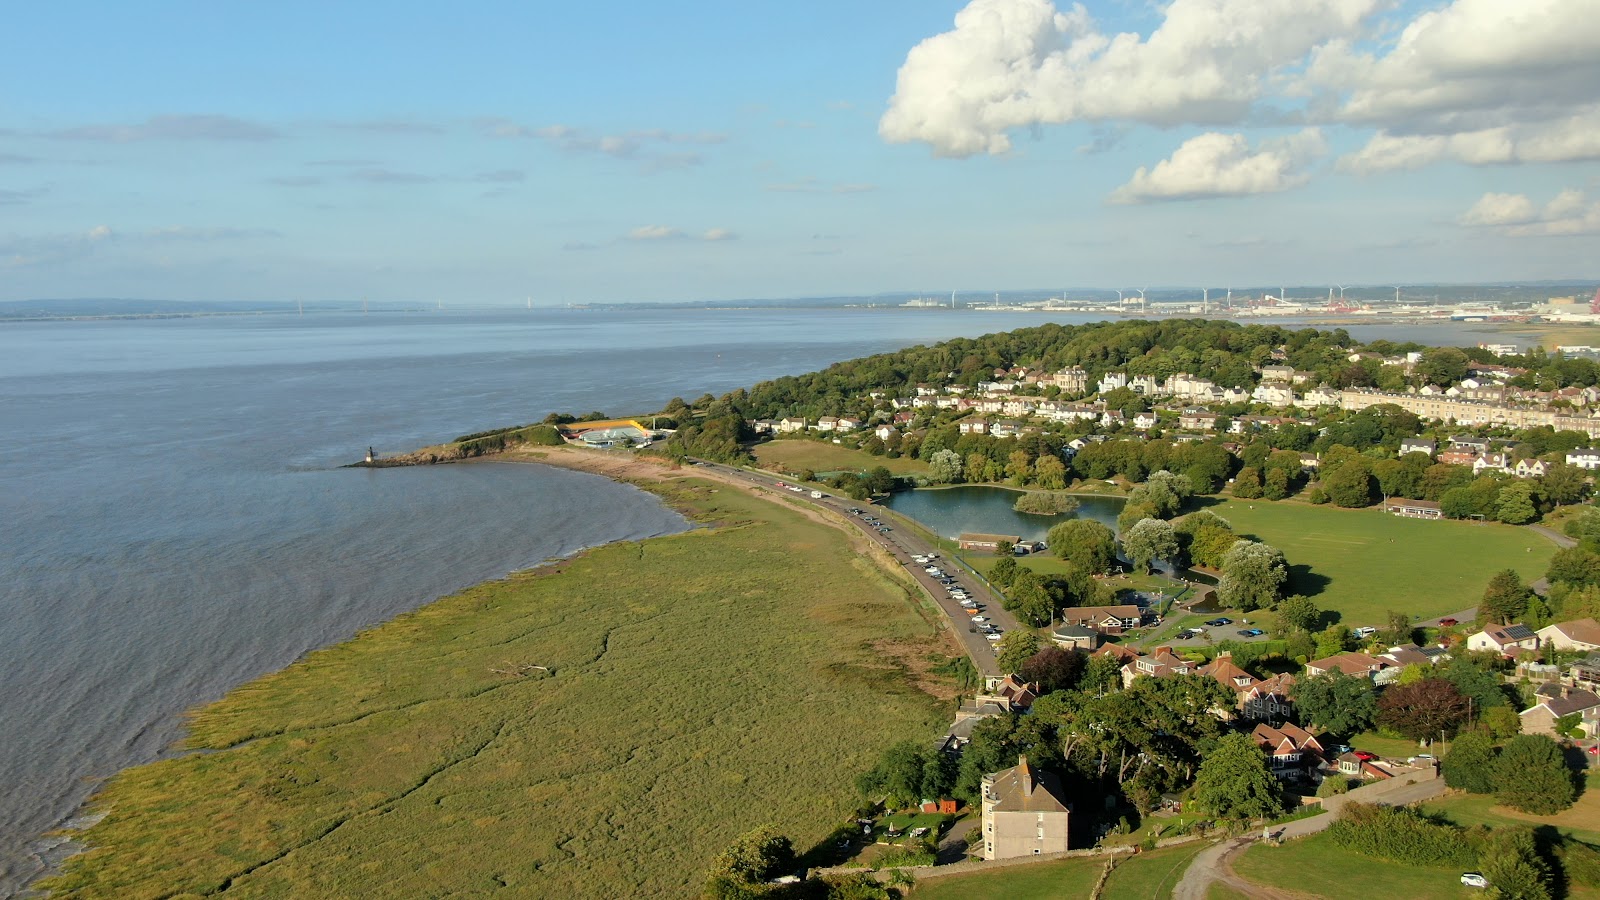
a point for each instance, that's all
(17, 198)
(14, 159)
(655, 233)
(172, 128)
(390, 176)
(648, 147)
(501, 176)
(198, 233)
(719, 234)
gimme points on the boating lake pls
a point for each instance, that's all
(987, 510)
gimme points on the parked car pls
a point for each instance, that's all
(980, 618)
(1365, 756)
(1251, 632)
(1447, 622)
(993, 636)
(1473, 879)
(1218, 623)
(1365, 631)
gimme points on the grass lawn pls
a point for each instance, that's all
(1151, 875)
(1028, 881)
(695, 696)
(1581, 820)
(1315, 866)
(1373, 742)
(824, 457)
(1364, 563)
(1220, 891)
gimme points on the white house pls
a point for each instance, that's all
(1529, 468)
(1580, 634)
(1504, 639)
(1584, 459)
(791, 424)
(1145, 420)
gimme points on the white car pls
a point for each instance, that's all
(1473, 879)
(980, 618)
(993, 636)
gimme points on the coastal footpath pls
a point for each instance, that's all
(600, 726)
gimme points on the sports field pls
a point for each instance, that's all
(823, 457)
(1363, 562)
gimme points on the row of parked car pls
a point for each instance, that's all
(958, 592)
(871, 520)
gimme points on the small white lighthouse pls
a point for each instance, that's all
(371, 457)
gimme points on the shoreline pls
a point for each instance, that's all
(623, 467)
(54, 846)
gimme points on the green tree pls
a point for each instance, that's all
(1532, 775)
(1332, 640)
(752, 859)
(1480, 685)
(1563, 484)
(1016, 646)
(1247, 484)
(1276, 485)
(1149, 540)
(1085, 542)
(1235, 783)
(1253, 576)
(1470, 764)
(1101, 675)
(1502, 721)
(1340, 703)
(1350, 485)
(1504, 600)
(1517, 504)
(1510, 861)
(1428, 709)
(1574, 565)
(945, 467)
(1441, 366)
(1003, 571)
(1399, 630)
(1299, 612)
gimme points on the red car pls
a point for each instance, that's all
(1447, 623)
(1364, 756)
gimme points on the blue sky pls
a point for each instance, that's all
(723, 150)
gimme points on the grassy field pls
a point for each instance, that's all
(1363, 563)
(821, 457)
(1317, 867)
(1396, 748)
(695, 695)
(1029, 881)
(1151, 875)
(1148, 875)
(1581, 821)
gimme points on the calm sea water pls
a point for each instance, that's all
(987, 510)
(173, 520)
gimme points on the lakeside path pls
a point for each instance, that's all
(599, 726)
(899, 544)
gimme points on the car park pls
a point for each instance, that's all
(1219, 622)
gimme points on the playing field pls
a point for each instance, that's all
(820, 457)
(1363, 562)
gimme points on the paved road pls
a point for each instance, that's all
(902, 545)
(1215, 863)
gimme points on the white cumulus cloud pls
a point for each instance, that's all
(654, 233)
(1225, 165)
(1569, 212)
(1017, 63)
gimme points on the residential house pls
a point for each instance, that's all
(1508, 640)
(883, 432)
(1350, 663)
(1005, 428)
(974, 426)
(1269, 700)
(1104, 619)
(1071, 380)
(764, 426)
(1145, 420)
(848, 423)
(1076, 637)
(1587, 458)
(1585, 673)
(1413, 509)
(1555, 700)
(1024, 813)
(791, 424)
(1318, 396)
(1284, 374)
(1111, 381)
(991, 542)
(1197, 420)
(827, 423)
(1468, 442)
(1580, 634)
(1291, 750)
(1417, 445)
(1112, 417)
(1496, 461)
(1008, 693)
(1273, 394)
(1458, 457)
(1529, 468)
(1235, 395)
(1144, 384)
(1019, 406)
(1163, 663)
